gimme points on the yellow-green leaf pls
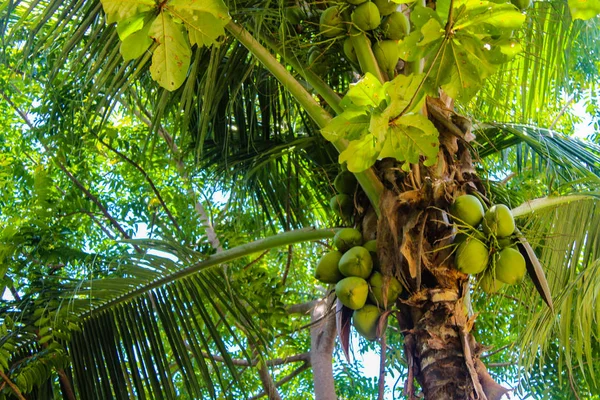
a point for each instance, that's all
(119, 10)
(584, 9)
(171, 58)
(215, 7)
(137, 43)
(360, 154)
(203, 28)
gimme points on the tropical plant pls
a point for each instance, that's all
(167, 175)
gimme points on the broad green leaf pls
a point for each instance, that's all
(119, 10)
(409, 138)
(378, 125)
(421, 15)
(215, 7)
(137, 43)
(408, 49)
(366, 92)
(360, 154)
(171, 57)
(400, 92)
(504, 16)
(351, 124)
(584, 9)
(203, 28)
(432, 32)
(130, 25)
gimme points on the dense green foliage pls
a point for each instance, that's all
(95, 153)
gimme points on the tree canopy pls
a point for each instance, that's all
(167, 169)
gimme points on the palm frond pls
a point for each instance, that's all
(566, 239)
(163, 318)
(552, 71)
(565, 161)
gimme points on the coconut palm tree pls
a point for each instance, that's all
(153, 121)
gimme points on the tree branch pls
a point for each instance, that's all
(14, 387)
(302, 308)
(305, 357)
(284, 380)
(148, 179)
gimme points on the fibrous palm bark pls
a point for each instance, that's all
(414, 235)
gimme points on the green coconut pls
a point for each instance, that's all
(387, 55)
(472, 256)
(331, 23)
(386, 7)
(521, 4)
(499, 221)
(365, 321)
(510, 266)
(345, 182)
(342, 205)
(352, 292)
(505, 242)
(327, 269)
(475, 234)
(489, 284)
(349, 51)
(394, 290)
(366, 16)
(396, 26)
(371, 245)
(468, 210)
(347, 238)
(356, 262)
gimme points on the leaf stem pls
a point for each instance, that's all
(271, 242)
(532, 206)
(366, 58)
(323, 89)
(368, 179)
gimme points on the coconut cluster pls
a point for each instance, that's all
(342, 204)
(485, 245)
(381, 19)
(354, 270)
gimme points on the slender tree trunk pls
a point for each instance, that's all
(322, 341)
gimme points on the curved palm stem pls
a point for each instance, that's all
(282, 239)
(367, 179)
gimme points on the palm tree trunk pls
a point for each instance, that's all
(442, 354)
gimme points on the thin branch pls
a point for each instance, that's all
(496, 351)
(284, 380)
(14, 387)
(572, 385)
(257, 259)
(304, 357)
(500, 365)
(562, 111)
(302, 308)
(287, 264)
(148, 179)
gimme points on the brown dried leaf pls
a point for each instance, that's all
(343, 316)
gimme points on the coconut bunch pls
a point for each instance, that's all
(354, 270)
(485, 245)
(382, 20)
(342, 203)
